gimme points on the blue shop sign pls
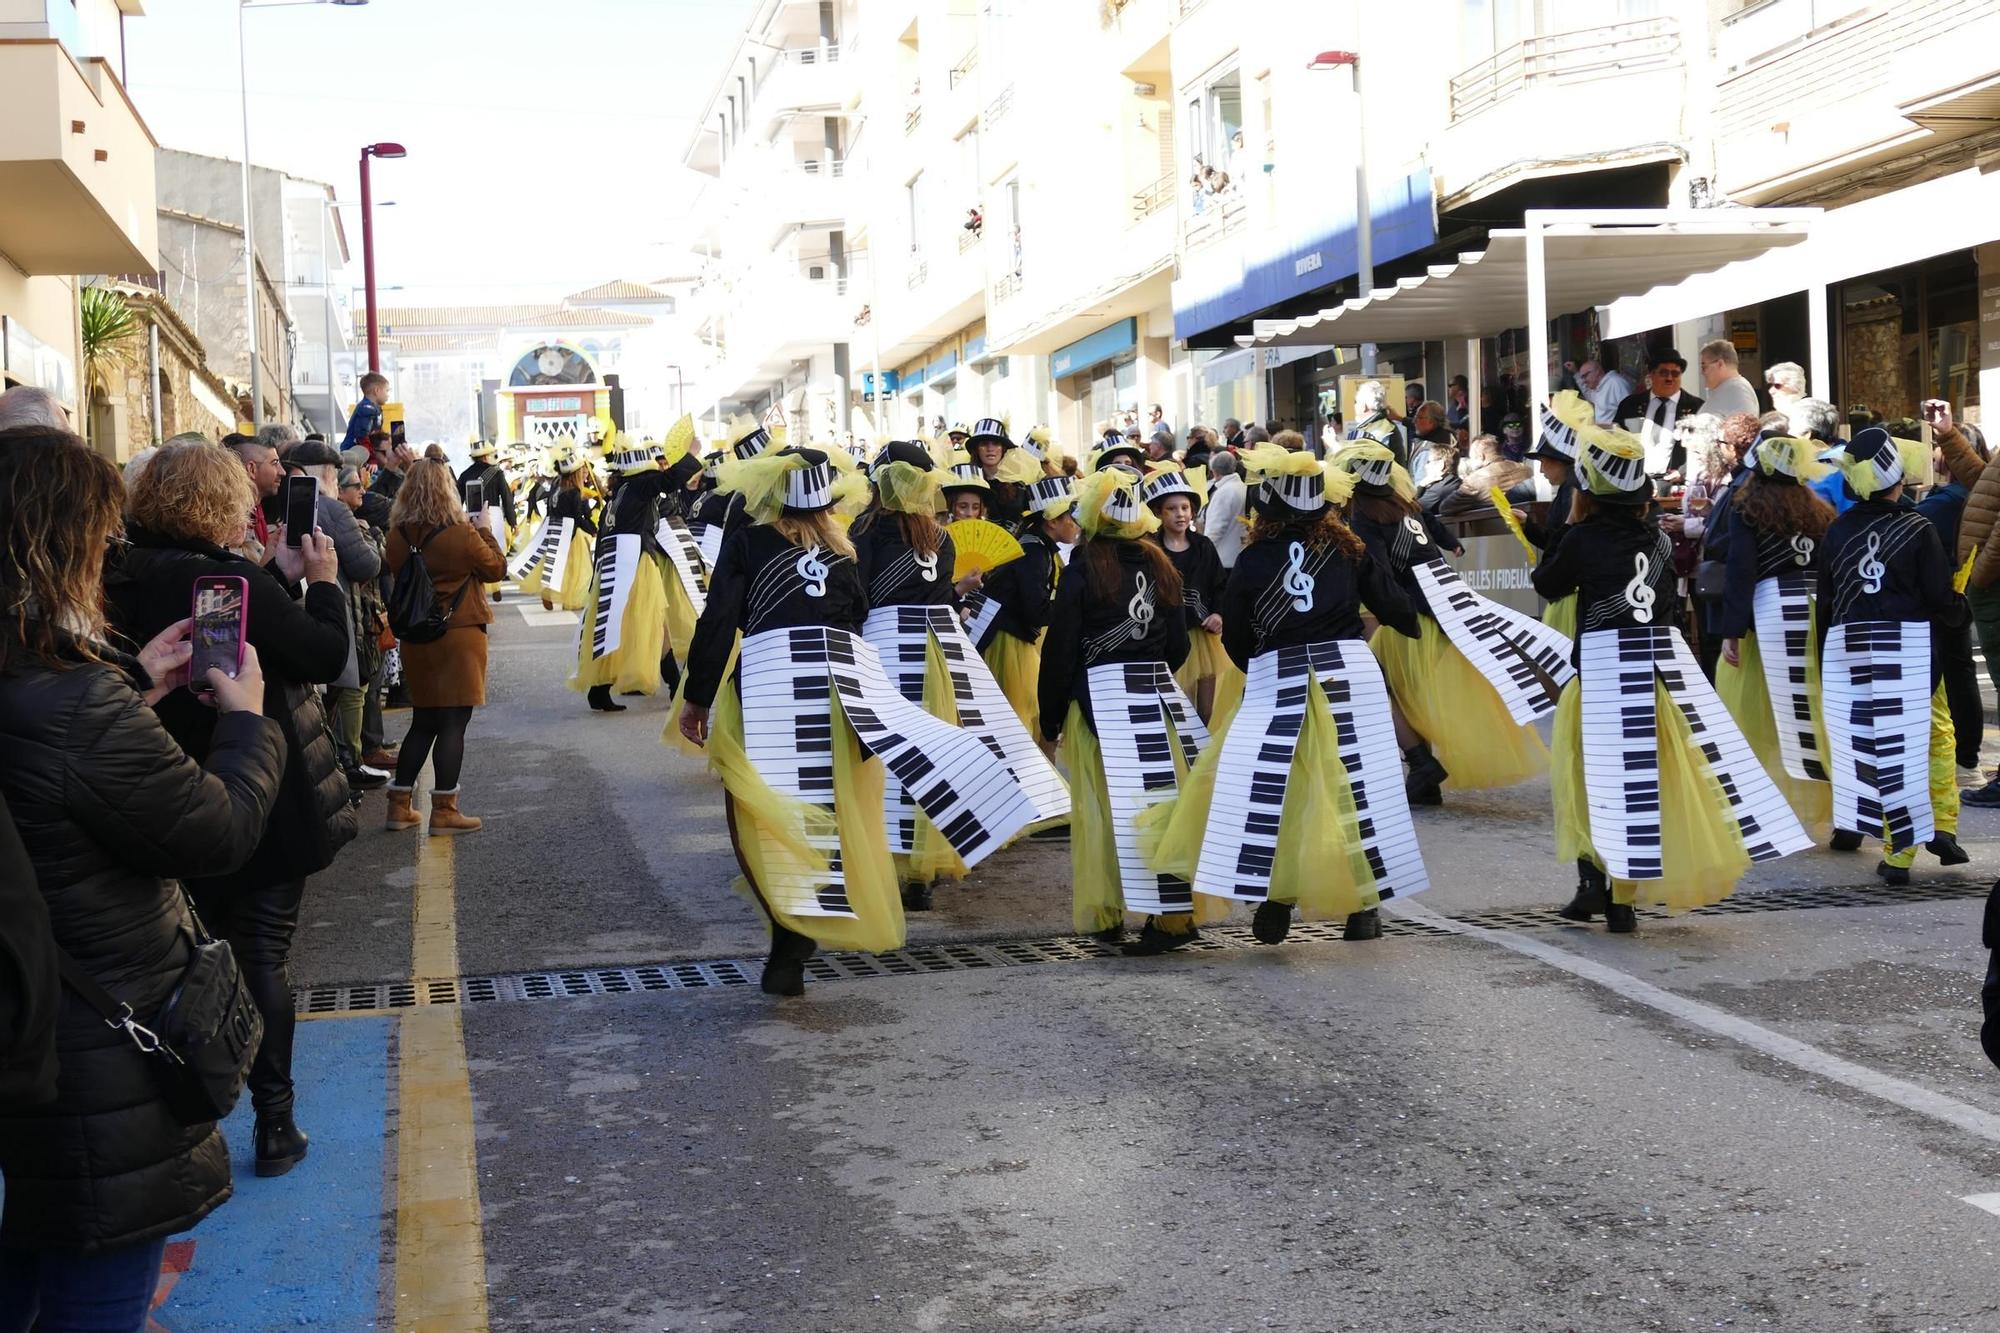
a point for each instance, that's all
(975, 350)
(941, 367)
(889, 383)
(1102, 345)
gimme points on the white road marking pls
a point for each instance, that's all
(534, 615)
(1990, 1202)
(1811, 1059)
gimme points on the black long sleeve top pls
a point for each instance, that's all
(1546, 532)
(1007, 505)
(1202, 577)
(498, 491)
(572, 504)
(894, 574)
(1751, 556)
(635, 507)
(1278, 596)
(1132, 625)
(761, 581)
(1619, 564)
(1415, 539)
(1024, 588)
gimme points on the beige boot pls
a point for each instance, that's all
(401, 816)
(445, 817)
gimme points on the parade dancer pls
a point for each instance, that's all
(1008, 471)
(966, 491)
(1554, 454)
(722, 512)
(1464, 689)
(1298, 801)
(1129, 735)
(1884, 583)
(1008, 613)
(1658, 798)
(556, 562)
(906, 558)
(622, 635)
(807, 707)
(683, 572)
(1208, 676)
(1769, 675)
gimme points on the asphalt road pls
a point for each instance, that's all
(1487, 1120)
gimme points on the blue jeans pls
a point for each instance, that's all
(53, 1292)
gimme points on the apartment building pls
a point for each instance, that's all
(76, 182)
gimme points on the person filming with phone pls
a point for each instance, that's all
(111, 812)
(182, 514)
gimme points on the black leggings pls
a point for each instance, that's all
(437, 734)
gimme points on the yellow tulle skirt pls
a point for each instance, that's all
(1943, 777)
(1206, 660)
(1454, 707)
(1748, 699)
(1017, 665)
(771, 829)
(1560, 615)
(681, 615)
(1320, 867)
(579, 575)
(931, 856)
(1704, 852)
(635, 665)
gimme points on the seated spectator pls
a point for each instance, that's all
(1487, 466)
(1428, 430)
(111, 813)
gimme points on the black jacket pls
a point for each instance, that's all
(494, 479)
(110, 810)
(635, 506)
(1401, 546)
(1023, 587)
(1640, 403)
(759, 582)
(1754, 555)
(1134, 624)
(1545, 532)
(1278, 598)
(1202, 576)
(573, 504)
(30, 988)
(892, 573)
(1912, 583)
(1599, 560)
(300, 644)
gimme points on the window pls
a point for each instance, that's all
(915, 194)
(1215, 122)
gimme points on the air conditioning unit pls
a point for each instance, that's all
(816, 272)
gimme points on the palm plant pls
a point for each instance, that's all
(110, 335)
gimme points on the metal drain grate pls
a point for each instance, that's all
(572, 983)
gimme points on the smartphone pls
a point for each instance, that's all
(301, 508)
(221, 619)
(475, 495)
(1934, 408)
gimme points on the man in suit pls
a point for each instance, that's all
(1651, 413)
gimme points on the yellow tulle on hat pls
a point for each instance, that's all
(905, 488)
(1351, 458)
(1572, 409)
(679, 442)
(1785, 456)
(1113, 489)
(1604, 449)
(761, 481)
(1018, 466)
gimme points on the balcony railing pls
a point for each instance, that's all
(913, 118)
(1153, 198)
(817, 166)
(1189, 6)
(1006, 287)
(1761, 29)
(967, 238)
(919, 275)
(962, 71)
(1614, 50)
(1220, 215)
(998, 107)
(829, 54)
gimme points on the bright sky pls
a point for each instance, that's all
(545, 138)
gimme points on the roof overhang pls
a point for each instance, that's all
(1588, 258)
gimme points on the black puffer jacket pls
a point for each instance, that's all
(300, 643)
(110, 809)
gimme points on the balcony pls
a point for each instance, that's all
(1158, 195)
(76, 166)
(805, 77)
(1219, 215)
(1611, 95)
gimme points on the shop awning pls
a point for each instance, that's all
(1590, 257)
(1232, 366)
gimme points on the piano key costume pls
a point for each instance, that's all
(1298, 800)
(1885, 580)
(1007, 616)
(684, 573)
(1772, 564)
(1208, 676)
(622, 635)
(1477, 675)
(1555, 454)
(1107, 691)
(1008, 474)
(556, 564)
(1654, 785)
(906, 559)
(497, 496)
(721, 511)
(809, 705)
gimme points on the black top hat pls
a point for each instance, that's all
(1665, 356)
(905, 451)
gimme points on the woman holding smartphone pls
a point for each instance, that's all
(111, 811)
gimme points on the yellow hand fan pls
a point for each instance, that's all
(981, 546)
(1513, 522)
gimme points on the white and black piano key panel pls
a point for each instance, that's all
(1621, 760)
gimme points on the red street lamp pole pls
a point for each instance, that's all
(383, 150)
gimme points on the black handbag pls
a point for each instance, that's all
(415, 613)
(1711, 579)
(201, 1042)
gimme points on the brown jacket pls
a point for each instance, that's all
(1980, 527)
(460, 552)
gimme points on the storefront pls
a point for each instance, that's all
(1096, 377)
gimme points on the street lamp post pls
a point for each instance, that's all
(1364, 219)
(249, 217)
(382, 150)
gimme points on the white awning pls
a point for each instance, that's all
(1590, 258)
(1232, 366)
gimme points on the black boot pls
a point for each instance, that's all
(1896, 875)
(670, 675)
(1593, 895)
(1152, 940)
(601, 701)
(1272, 922)
(1945, 847)
(1363, 926)
(280, 1144)
(785, 969)
(916, 897)
(1620, 918)
(1422, 784)
(1111, 934)
(1844, 841)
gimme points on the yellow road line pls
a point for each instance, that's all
(440, 1247)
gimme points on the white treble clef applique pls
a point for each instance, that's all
(1638, 592)
(1871, 569)
(813, 570)
(1140, 608)
(1298, 584)
(1415, 527)
(1802, 550)
(927, 565)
